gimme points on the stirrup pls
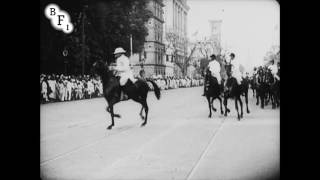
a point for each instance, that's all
(123, 96)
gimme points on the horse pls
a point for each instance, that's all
(213, 92)
(234, 90)
(262, 87)
(274, 90)
(137, 91)
(253, 85)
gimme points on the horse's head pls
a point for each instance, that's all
(230, 86)
(99, 67)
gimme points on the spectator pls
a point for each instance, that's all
(44, 89)
(69, 89)
(66, 88)
(52, 85)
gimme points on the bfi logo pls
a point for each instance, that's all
(60, 19)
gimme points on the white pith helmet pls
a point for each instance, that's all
(119, 50)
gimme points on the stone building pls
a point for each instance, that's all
(153, 53)
(175, 21)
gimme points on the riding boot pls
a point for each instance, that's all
(123, 95)
(204, 89)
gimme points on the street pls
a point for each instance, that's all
(178, 142)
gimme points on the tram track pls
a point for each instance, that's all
(205, 151)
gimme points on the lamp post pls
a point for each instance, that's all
(83, 37)
(65, 54)
(131, 45)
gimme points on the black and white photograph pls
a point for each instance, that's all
(159, 89)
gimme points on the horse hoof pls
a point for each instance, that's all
(248, 111)
(109, 127)
(117, 116)
(221, 112)
(143, 124)
(214, 109)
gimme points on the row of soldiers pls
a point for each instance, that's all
(231, 67)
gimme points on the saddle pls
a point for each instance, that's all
(127, 89)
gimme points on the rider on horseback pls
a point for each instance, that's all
(123, 67)
(234, 69)
(274, 70)
(214, 68)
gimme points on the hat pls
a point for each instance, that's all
(119, 50)
(213, 56)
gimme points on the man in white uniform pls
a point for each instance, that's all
(274, 70)
(123, 66)
(214, 67)
(123, 71)
(237, 69)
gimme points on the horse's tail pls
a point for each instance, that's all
(156, 89)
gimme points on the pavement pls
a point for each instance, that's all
(178, 142)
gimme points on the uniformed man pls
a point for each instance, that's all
(123, 66)
(274, 70)
(236, 70)
(214, 67)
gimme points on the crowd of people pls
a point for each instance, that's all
(176, 82)
(58, 88)
(67, 88)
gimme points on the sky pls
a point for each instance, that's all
(249, 27)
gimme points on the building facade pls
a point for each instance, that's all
(215, 35)
(175, 22)
(151, 59)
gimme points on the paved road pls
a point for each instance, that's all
(179, 141)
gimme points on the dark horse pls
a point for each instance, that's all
(253, 85)
(273, 89)
(262, 86)
(234, 90)
(214, 90)
(112, 91)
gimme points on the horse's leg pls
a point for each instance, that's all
(241, 106)
(267, 98)
(236, 105)
(112, 117)
(141, 114)
(225, 102)
(209, 104)
(257, 96)
(214, 109)
(273, 101)
(262, 97)
(146, 110)
(220, 105)
(246, 100)
(115, 115)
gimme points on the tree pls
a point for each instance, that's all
(107, 24)
(272, 54)
(183, 65)
(171, 39)
(205, 48)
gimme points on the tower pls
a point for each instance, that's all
(215, 35)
